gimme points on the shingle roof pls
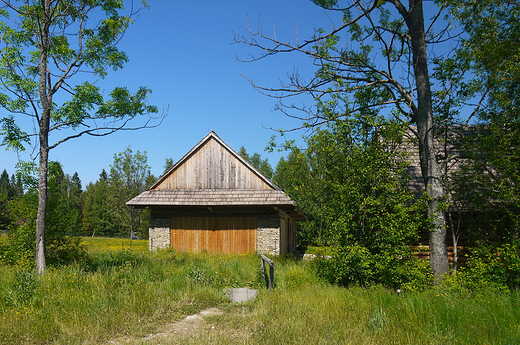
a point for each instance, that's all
(448, 143)
(211, 197)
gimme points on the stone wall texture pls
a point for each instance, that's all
(268, 236)
(159, 235)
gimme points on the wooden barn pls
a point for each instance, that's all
(213, 200)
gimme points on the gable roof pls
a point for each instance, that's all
(449, 147)
(213, 174)
(212, 164)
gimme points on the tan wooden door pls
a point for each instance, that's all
(213, 234)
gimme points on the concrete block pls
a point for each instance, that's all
(241, 294)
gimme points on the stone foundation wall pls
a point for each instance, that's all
(159, 233)
(268, 236)
(267, 241)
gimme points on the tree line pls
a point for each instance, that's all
(352, 181)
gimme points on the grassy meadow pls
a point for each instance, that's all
(113, 245)
(120, 293)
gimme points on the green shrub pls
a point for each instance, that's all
(5, 253)
(492, 267)
(22, 290)
(378, 319)
(396, 268)
(64, 250)
(197, 275)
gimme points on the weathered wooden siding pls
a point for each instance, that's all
(214, 234)
(212, 166)
(284, 245)
(292, 236)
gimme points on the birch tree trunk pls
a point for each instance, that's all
(430, 169)
(43, 135)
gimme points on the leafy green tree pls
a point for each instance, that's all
(74, 192)
(293, 174)
(9, 189)
(64, 215)
(262, 165)
(129, 176)
(5, 186)
(16, 185)
(491, 53)
(485, 72)
(22, 216)
(45, 46)
(354, 190)
(383, 70)
(357, 202)
(98, 213)
(168, 164)
(5, 194)
(62, 220)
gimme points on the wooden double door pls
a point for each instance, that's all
(214, 234)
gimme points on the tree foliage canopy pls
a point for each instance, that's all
(129, 176)
(64, 216)
(485, 75)
(46, 45)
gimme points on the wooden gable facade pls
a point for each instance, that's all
(213, 200)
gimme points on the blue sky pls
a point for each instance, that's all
(184, 52)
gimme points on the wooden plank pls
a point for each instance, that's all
(214, 234)
(271, 270)
(191, 243)
(224, 235)
(283, 235)
(212, 166)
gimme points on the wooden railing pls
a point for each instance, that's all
(271, 270)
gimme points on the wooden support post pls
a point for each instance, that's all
(271, 276)
(271, 270)
(263, 269)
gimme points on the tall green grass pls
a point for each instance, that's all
(114, 293)
(331, 315)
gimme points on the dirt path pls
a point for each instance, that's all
(186, 327)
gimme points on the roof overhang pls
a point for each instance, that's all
(177, 198)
